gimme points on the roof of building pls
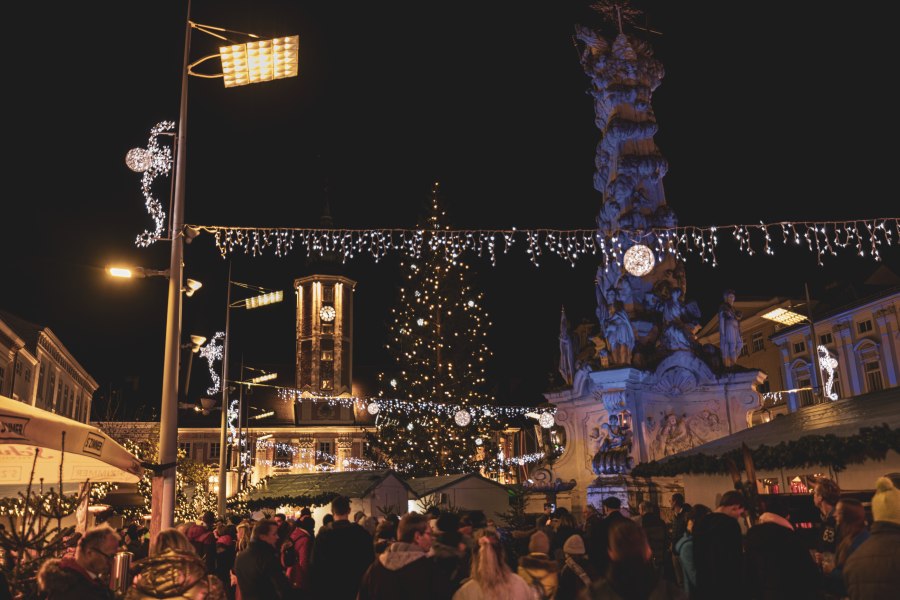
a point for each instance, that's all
(28, 331)
(841, 418)
(353, 484)
(422, 486)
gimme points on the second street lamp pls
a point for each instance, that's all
(263, 298)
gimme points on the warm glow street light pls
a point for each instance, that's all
(163, 494)
(190, 285)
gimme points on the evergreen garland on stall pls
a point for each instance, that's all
(829, 450)
(437, 340)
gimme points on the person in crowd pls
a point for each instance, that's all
(203, 536)
(777, 563)
(684, 549)
(718, 550)
(466, 530)
(297, 566)
(448, 553)
(677, 530)
(244, 535)
(873, 570)
(492, 579)
(85, 576)
(258, 568)
(342, 553)
(577, 573)
(850, 516)
(658, 537)
(136, 543)
(327, 520)
(564, 527)
(825, 496)
(307, 522)
(173, 570)
(226, 550)
(543, 520)
(598, 538)
(403, 571)
(385, 535)
(537, 568)
(590, 515)
(630, 574)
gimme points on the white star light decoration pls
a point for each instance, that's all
(153, 161)
(213, 352)
(828, 364)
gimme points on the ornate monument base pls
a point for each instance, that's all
(620, 417)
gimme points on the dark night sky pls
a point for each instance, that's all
(768, 111)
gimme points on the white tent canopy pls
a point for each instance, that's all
(86, 452)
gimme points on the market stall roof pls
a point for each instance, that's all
(869, 421)
(319, 488)
(423, 486)
(86, 452)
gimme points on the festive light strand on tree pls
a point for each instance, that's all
(153, 161)
(864, 237)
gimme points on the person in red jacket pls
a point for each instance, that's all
(298, 569)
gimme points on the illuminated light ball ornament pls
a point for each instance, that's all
(462, 418)
(420, 322)
(471, 303)
(546, 420)
(139, 160)
(639, 260)
(394, 383)
(410, 426)
(373, 408)
(346, 462)
(478, 441)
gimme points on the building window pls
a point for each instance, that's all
(826, 339)
(864, 326)
(327, 355)
(2, 373)
(18, 368)
(799, 347)
(27, 375)
(214, 451)
(186, 446)
(284, 454)
(745, 350)
(757, 341)
(40, 388)
(873, 376)
(324, 453)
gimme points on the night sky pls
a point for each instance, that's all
(768, 111)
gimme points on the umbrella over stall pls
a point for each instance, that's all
(34, 438)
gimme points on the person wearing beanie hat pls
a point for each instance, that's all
(449, 555)
(873, 570)
(577, 572)
(537, 568)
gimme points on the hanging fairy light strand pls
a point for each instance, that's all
(461, 415)
(213, 352)
(152, 161)
(862, 237)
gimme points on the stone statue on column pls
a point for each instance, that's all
(730, 341)
(566, 351)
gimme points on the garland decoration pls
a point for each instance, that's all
(862, 237)
(828, 450)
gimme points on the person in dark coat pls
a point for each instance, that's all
(678, 528)
(598, 536)
(630, 574)
(341, 554)
(82, 577)
(851, 520)
(684, 550)
(403, 571)
(448, 553)
(873, 571)
(658, 537)
(718, 551)
(258, 568)
(777, 563)
(577, 572)
(825, 496)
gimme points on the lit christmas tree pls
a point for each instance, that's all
(438, 340)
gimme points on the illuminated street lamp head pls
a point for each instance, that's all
(196, 342)
(136, 272)
(784, 316)
(258, 61)
(264, 299)
(264, 377)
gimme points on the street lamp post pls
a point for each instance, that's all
(270, 59)
(264, 298)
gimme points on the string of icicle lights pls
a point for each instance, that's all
(462, 415)
(863, 237)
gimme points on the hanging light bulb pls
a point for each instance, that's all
(373, 408)
(462, 418)
(546, 420)
(639, 260)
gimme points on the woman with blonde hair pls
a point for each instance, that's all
(244, 531)
(491, 576)
(173, 570)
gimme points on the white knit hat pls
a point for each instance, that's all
(886, 501)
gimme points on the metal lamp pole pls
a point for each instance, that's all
(163, 485)
(223, 434)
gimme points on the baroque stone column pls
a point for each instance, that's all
(887, 322)
(306, 451)
(344, 452)
(843, 340)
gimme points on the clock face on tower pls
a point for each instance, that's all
(327, 314)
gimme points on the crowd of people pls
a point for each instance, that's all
(698, 553)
